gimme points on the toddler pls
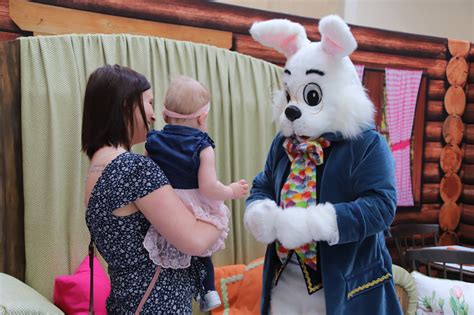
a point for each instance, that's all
(185, 152)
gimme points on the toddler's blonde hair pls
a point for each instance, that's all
(186, 95)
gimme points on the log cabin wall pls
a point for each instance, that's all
(376, 49)
(466, 225)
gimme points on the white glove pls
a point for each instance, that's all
(298, 226)
(259, 220)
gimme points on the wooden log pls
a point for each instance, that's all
(448, 238)
(468, 194)
(48, 19)
(436, 90)
(470, 133)
(468, 153)
(451, 158)
(470, 93)
(434, 131)
(429, 214)
(431, 173)
(8, 36)
(239, 19)
(430, 193)
(466, 233)
(467, 214)
(471, 72)
(458, 48)
(435, 111)
(432, 151)
(455, 100)
(468, 117)
(453, 130)
(449, 216)
(435, 68)
(468, 173)
(12, 239)
(244, 44)
(456, 71)
(450, 187)
(471, 54)
(6, 23)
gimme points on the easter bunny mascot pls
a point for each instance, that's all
(327, 193)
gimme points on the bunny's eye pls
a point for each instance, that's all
(312, 94)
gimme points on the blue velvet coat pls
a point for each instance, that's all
(358, 179)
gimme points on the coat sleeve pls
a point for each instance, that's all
(373, 184)
(263, 186)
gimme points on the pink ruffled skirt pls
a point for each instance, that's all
(213, 211)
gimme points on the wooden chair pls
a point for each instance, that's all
(438, 258)
(408, 236)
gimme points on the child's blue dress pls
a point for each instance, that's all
(176, 150)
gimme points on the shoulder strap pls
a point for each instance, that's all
(148, 290)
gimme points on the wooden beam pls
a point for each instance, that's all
(56, 20)
(238, 20)
(12, 253)
(467, 215)
(432, 151)
(471, 71)
(8, 36)
(6, 23)
(429, 214)
(468, 117)
(435, 111)
(435, 68)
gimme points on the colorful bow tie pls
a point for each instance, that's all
(299, 189)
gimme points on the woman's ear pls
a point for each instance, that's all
(202, 118)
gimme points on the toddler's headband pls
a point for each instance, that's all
(197, 113)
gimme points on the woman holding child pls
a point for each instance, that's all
(127, 193)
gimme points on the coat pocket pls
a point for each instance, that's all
(368, 279)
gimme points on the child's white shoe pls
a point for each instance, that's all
(210, 301)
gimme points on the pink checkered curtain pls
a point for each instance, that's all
(360, 71)
(402, 90)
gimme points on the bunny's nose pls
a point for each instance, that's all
(292, 113)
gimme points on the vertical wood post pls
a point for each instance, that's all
(12, 242)
(453, 134)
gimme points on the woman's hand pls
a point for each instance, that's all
(172, 219)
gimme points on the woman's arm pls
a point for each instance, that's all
(210, 187)
(170, 217)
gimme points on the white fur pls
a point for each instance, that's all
(298, 226)
(282, 35)
(259, 220)
(345, 106)
(337, 39)
(322, 223)
(291, 228)
(278, 104)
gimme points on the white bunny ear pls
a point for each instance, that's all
(282, 35)
(337, 39)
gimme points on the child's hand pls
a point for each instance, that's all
(239, 189)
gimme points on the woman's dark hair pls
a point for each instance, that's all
(112, 93)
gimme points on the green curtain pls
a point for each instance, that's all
(54, 72)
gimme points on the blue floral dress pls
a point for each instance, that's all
(119, 240)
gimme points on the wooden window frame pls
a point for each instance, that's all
(374, 82)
